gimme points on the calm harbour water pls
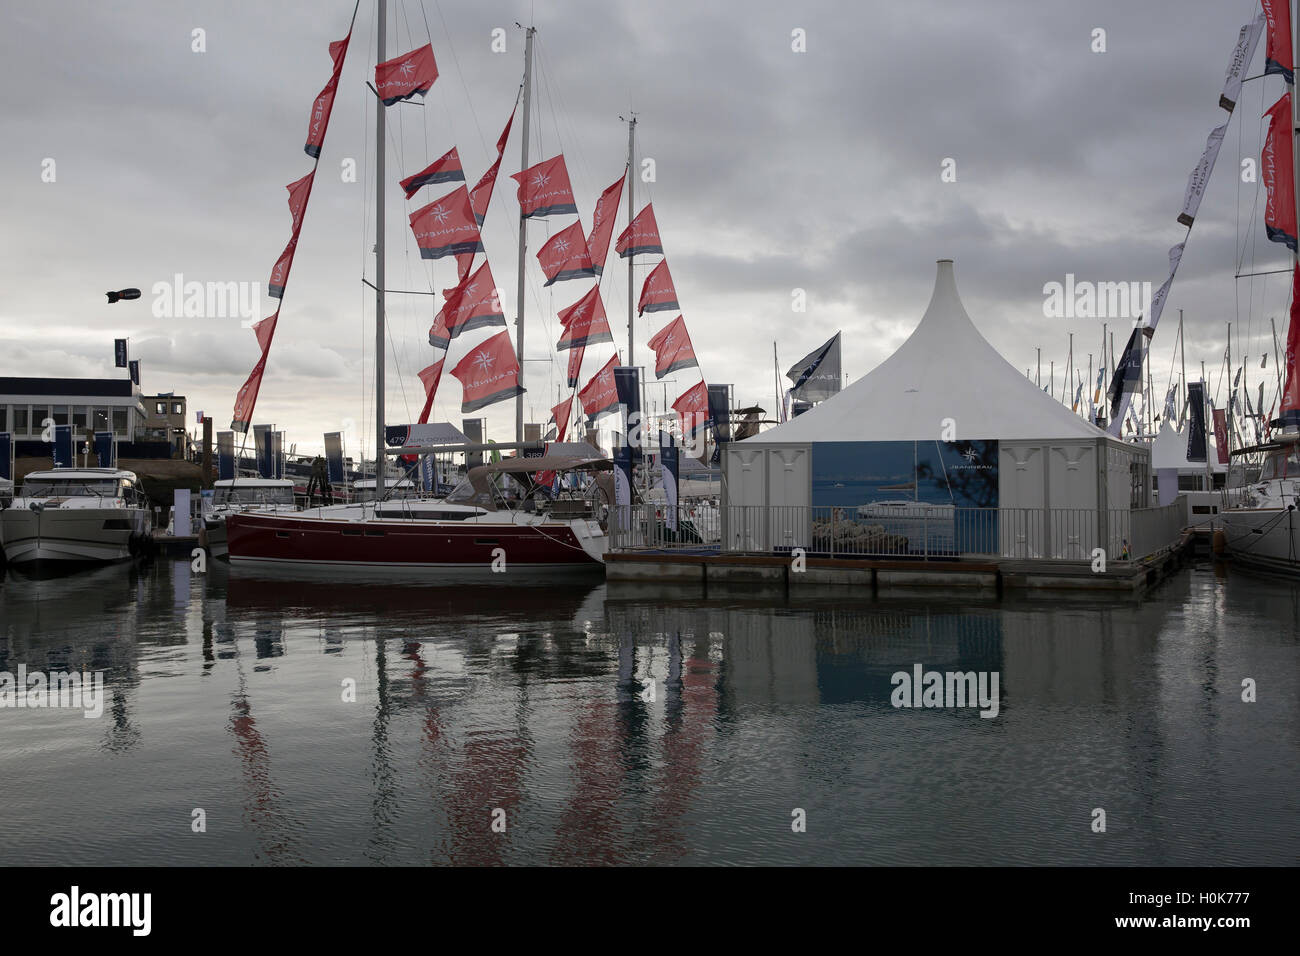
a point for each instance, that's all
(226, 693)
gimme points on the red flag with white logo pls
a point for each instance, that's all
(430, 377)
(575, 365)
(658, 294)
(446, 227)
(673, 348)
(544, 189)
(323, 105)
(560, 415)
(481, 195)
(445, 169)
(585, 322)
(1279, 178)
(602, 224)
(474, 304)
(1277, 48)
(641, 235)
(280, 272)
(1291, 393)
(489, 373)
(692, 409)
(407, 75)
(299, 193)
(247, 397)
(565, 256)
(439, 336)
(599, 395)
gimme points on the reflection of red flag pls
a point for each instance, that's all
(1277, 49)
(693, 409)
(560, 415)
(658, 294)
(474, 304)
(445, 169)
(1291, 394)
(585, 322)
(403, 77)
(1279, 175)
(673, 349)
(280, 272)
(602, 224)
(565, 256)
(599, 395)
(299, 193)
(324, 102)
(481, 194)
(575, 366)
(641, 235)
(489, 373)
(544, 189)
(430, 377)
(247, 397)
(265, 330)
(446, 227)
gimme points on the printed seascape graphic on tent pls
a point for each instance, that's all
(933, 476)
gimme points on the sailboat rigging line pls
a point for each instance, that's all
(1269, 272)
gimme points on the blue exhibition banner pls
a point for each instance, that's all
(64, 456)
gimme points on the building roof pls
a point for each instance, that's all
(107, 387)
(945, 369)
(1169, 450)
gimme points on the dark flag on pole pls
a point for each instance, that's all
(627, 383)
(134, 365)
(119, 353)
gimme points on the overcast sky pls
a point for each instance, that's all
(775, 170)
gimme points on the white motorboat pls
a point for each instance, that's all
(76, 514)
(1259, 520)
(239, 495)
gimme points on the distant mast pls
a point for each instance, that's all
(523, 234)
(381, 174)
(631, 212)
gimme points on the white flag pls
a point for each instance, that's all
(1162, 293)
(1242, 54)
(1200, 176)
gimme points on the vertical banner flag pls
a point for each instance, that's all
(1127, 379)
(299, 193)
(7, 456)
(473, 429)
(673, 349)
(565, 256)
(602, 223)
(1161, 294)
(1242, 54)
(119, 353)
(1289, 409)
(63, 453)
(134, 366)
(692, 408)
(1279, 180)
(429, 378)
(262, 450)
(334, 457)
(544, 189)
(105, 450)
(641, 235)
(1221, 434)
(406, 76)
(265, 330)
(623, 486)
(668, 471)
(225, 456)
(627, 385)
(324, 102)
(1200, 176)
(584, 322)
(720, 415)
(280, 271)
(600, 395)
(1277, 50)
(560, 415)
(817, 375)
(1196, 421)
(658, 294)
(489, 373)
(247, 398)
(575, 366)
(446, 227)
(445, 169)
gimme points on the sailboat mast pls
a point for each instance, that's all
(631, 211)
(523, 232)
(1182, 350)
(380, 176)
(776, 382)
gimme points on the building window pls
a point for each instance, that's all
(39, 414)
(4, 418)
(119, 422)
(60, 414)
(20, 419)
(101, 420)
(79, 417)
(160, 408)
(178, 408)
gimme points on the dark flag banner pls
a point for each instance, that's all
(429, 378)
(584, 322)
(119, 353)
(565, 256)
(406, 76)
(627, 385)
(673, 348)
(6, 456)
(262, 450)
(544, 189)
(225, 456)
(1195, 421)
(444, 169)
(324, 102)
(63, 452)
(641, 235)
(105, 450)
(817, 375)
(489, 373)
(668, 470)
(334, 458)
(134, 366)
(446, 227)
(658, 294)
(720, 415)
(1277, 49)
(602, 224)
(600, 395)
(1128, 374)
(1279, 179)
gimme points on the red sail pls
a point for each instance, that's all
(602, 224)
(544, 189)
(430, 377)
(1277, 49)
(444, 169)
(1290, 410)
(575, 366)
(265, 330)
(673, 348)
(489, 373)
(585, 322)
(280, 272)
(324, 103)
(693, 409)
(1279, 179)
(560, 415)
(481, 194)
(439, 336)
(658, 294)
(641, 235)
(474, 304)
(403, 77)
(299, 193)
(599, 395)
(446, 227)
(247, 397)
(565, 256)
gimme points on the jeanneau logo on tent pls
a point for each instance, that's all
(922, 688)
(84, 691)
(1096, 300)
(75, 909)
(207, 300)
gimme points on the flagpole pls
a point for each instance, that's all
(776, 383)
(631, 211)
(1182, 347)
(523, 234)
(381, 175)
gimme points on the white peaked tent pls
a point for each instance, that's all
(944, 384)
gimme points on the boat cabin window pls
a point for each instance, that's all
(1282, 464)
(71, 488)
(253, 495)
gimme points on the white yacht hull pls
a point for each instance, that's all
(1263, 538)
(73, 534)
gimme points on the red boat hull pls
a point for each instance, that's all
(286, 540)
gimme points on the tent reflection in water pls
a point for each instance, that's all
(944, 432)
